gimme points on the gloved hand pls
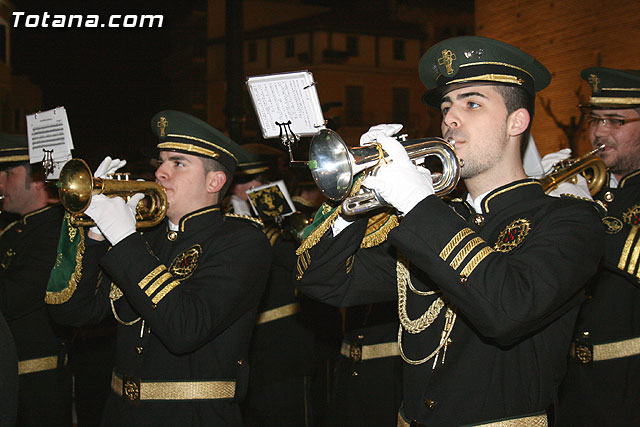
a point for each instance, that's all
(400, 183)
(580, 189)
(107, 167)
(379, 130)
(552, 158)
(115, 218)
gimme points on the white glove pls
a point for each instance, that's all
(400, 183)
(107, 167)
(580, 189)
(379, 130)
(552, 158)
(115, 218)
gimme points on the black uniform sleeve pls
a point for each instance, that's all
(187, 313)
(23, 278)
(340, 273)
(505, 296)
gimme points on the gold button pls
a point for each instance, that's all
(608, 197)
(354, 374)
(429, 404)
(463, 279)
(19, 230)
(585, 334)
(139, 349)
(478, 220)
(172, 235)
(240, 362)
(360, 337)
(154, 305)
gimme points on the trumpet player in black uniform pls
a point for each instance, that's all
(185, 293)
(602, 387)
(489, 287)
(27, 254)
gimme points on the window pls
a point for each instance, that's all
(252, 51)
(398, 50)
(353, 105)
(352, 46)
(290, 47)
(400, 105)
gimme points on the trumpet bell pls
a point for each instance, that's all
(331, 167)
(75, 186)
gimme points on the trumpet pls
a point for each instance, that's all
(567, 170)
(77, 185)
(334, 165)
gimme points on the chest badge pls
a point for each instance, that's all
(613, 225)
(632, 215)
(512, 235)
(184, 264)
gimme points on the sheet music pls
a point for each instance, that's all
(286, 97)
(49, 130)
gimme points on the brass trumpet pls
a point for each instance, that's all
(76, 185)
(334, 165)
(568, 169)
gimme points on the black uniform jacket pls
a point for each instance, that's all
(27, 254)
(514, 274)
(606, 392)
(195, 293)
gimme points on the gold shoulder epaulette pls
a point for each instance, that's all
(248, 218)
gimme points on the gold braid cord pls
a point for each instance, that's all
(426, 319)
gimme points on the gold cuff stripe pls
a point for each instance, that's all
(627, 247)
(161, 280)
(373, 351)
(477, 259)
(349, 263)
(151, 276)
(466, 250)
(454, 242)
(178, 390)
(163, 293)
(613, 100)
(616, 350)
(277, 313)
(38, 365)
(624, 89)
(204, 141)
(634, 259)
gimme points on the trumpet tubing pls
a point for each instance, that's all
(334, 165)
(568, 170)
(77, 185)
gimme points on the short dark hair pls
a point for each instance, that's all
(515, 97)
(211, 165)
(36, 173)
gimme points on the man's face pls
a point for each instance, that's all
(184, 180)
(18, 196)
(475, 117)
(622, 144)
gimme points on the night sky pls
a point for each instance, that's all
(108, 79)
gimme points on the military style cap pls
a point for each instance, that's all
(612, 88)
(474, 59)
(181, 132)
(250, 165)
(14, 150)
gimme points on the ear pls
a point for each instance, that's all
(518, 122)
(215, 180)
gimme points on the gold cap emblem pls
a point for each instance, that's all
(162, 124)
(593, 81)
(447, 60)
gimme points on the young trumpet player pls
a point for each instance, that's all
(184, 293)
(489, 286)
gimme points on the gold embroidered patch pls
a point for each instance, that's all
(613, 225)
(115, 293)
(513, 235)
(632, 215)
(184, 264)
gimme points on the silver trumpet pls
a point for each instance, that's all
(334, 165)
